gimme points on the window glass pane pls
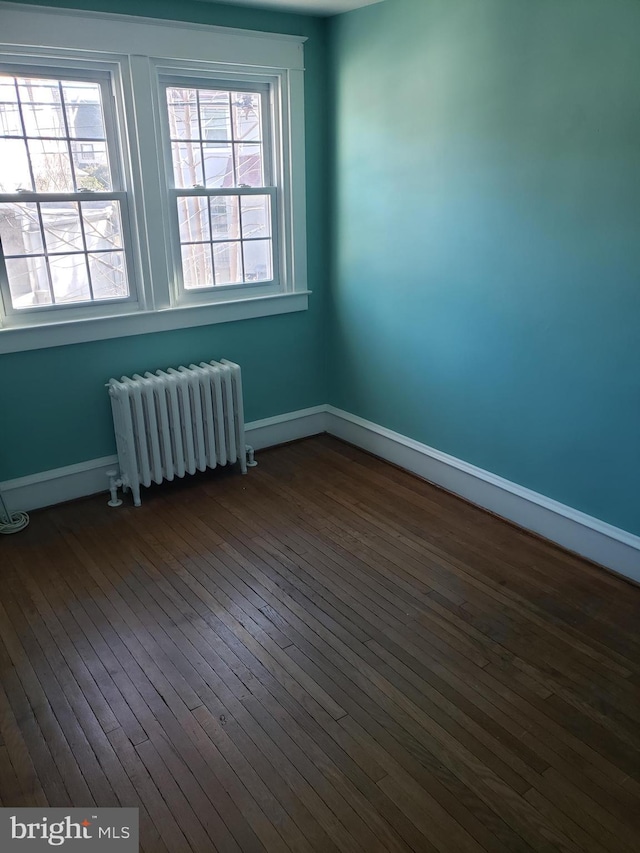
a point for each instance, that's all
(51, 166)
(41, 106)
(10, 124)
(187, 164)
(218, 165)
(225, 224)
(82, 258)
(91, 165)
(83, 106)
(249, 171)
(257, 260)
(36, 90)
(55, 112)
(102, 226)
(215, 114)
(246, 116)
(69, 278)
(61, 226)
(20, 229)
(14, 166)
(108, 275)
(196, 266)
(183, 113)
(8, 92)
(256, 216)
(226, 144)
(227, 259)
(193, 219)
(28, 282)
(43, 120)
(215, 126)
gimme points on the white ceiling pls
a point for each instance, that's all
(308, 7)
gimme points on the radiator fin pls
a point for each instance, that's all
(176, 422)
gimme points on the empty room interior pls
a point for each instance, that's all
(320, 426)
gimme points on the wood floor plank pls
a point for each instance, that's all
(461, 515)
(166, 831)
(399, 521)
(326, 655)
(92, 678)
(14, 703)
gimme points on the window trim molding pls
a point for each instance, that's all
(269, 85)
(146, 48)
(74, 29)
(147, 322)
(107, 72)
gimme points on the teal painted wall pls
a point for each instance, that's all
(486, 295)
(54, 409)
(482, 195)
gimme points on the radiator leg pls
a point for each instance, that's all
(135, 491)
(251, 462)
(114, 482)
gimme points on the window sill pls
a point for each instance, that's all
(41, 336)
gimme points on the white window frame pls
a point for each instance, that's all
(138, 52)
(276, 179)
(105, 75)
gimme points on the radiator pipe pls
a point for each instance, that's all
(114, 483)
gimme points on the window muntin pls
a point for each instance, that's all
(61, 199)
(221, 174)
(63, 252)
(47, 128)
(216, 137)
(225, 239)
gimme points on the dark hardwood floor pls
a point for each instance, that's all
(327, 654)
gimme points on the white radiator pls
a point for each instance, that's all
(168, 424)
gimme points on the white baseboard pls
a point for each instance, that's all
(287, 427)
(58, 485)
(598, 541)
(89, 478)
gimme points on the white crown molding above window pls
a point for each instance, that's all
(130, 34)
(304, 7)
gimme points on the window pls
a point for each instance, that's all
(151, 176)
(61, 199)
(223, 189)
